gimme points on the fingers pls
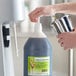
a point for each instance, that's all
(61, 35)
(35, 14)
(62, 41)
(62, 44)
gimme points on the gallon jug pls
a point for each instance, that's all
(38, 54)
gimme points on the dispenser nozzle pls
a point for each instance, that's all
(38, 26)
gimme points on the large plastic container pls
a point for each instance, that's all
(38, 54)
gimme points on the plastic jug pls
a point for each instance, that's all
(38, 54)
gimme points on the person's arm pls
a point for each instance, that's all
(67, 8)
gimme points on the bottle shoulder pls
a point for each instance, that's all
(38, 47)
(38, 35)
(38, 43)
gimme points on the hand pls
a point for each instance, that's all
(67, 40)
(45, 10)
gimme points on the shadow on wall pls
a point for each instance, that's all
(46, 21)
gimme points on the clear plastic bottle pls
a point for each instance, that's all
(38, 54)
